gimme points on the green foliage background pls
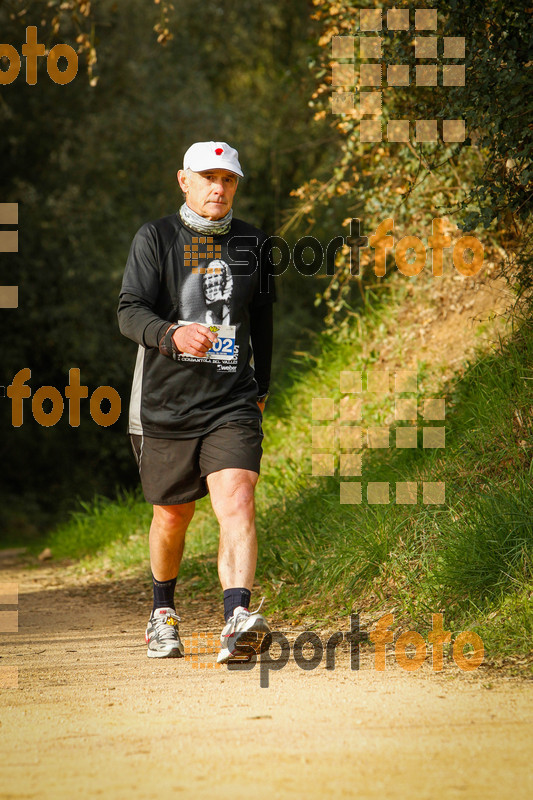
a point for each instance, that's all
(484, 184)
(88, 164)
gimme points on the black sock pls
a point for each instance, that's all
(164, 593)
(234, 598)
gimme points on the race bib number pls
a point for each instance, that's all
(224, 347)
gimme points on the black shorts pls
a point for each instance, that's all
(174, 471)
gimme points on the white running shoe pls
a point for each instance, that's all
(243, 628)
(162, 635)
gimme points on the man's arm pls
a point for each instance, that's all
(137, 321)
(140, 288)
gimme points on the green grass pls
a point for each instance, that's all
(489, 553)
(470, 558)
(88, 530)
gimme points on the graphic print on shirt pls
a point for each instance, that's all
(212, 307)
(218, 288)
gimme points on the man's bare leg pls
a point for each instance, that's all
(167, 539)
(232, 498)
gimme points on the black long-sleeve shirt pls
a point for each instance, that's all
(176, 275)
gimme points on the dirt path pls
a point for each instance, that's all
(93, 717)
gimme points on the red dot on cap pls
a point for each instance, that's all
(219, 151)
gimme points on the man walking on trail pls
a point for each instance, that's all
(197, 298)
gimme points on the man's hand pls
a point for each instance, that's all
(261, 406)
(194, 339)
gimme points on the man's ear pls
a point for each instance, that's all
(183, 180)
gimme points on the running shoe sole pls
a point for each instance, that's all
(252, 639)
(176, 652)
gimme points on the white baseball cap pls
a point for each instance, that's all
(212, 155)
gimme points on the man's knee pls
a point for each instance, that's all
(173, 518)
(241, 496)
(234, 493)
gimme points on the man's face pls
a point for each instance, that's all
(209, 193)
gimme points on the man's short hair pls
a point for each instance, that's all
(188, 172)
